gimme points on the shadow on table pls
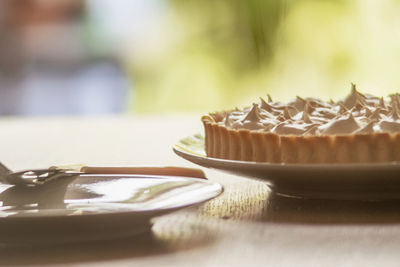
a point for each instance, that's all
(257, 202)
(279, 208)
(147, 244)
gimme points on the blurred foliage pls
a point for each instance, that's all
(217, 54)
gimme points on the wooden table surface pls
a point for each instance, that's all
(248, 225)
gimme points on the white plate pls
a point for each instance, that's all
(377, 181)
(94, 207)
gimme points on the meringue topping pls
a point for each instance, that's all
(357, 113)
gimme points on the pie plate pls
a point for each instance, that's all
(94, 207)
(353, 181)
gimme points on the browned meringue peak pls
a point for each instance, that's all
(286, 114)
(343, 125)
(382, 103)
(386, 111)
(371, 100)
(357, 111)
(299, 103)
(342, 109)
(395, 97)
(235, 125)
(313, 130)
(281, 118)
(249, 125)
(254, 114)
(276, 109)
(368, 112)
(328, 113)
(389, 126)
(292, 110)
(305, 117)
(319, 120)
(227, 121)
(357, 107)
(287, 128)
(236, 115)
(264, 105)
(252, 121)
(394, 114)
(266, 115)
(269, 98)
(268, 125)
(354, 98)
(308, 108)
(278, 105)
(367, 129)
(395, 100)
(317, 103)
(376, 115)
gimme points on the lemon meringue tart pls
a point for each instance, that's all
(361, 128)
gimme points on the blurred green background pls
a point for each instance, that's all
(191, 56)
(226, 53)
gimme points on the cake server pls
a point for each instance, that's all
(32, 177)
(40, 176)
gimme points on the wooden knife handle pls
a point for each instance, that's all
(168, 171)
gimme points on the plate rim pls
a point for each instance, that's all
(184, 152)
(146, 213)
(348, 181)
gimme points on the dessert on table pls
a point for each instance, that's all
(360, 128)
